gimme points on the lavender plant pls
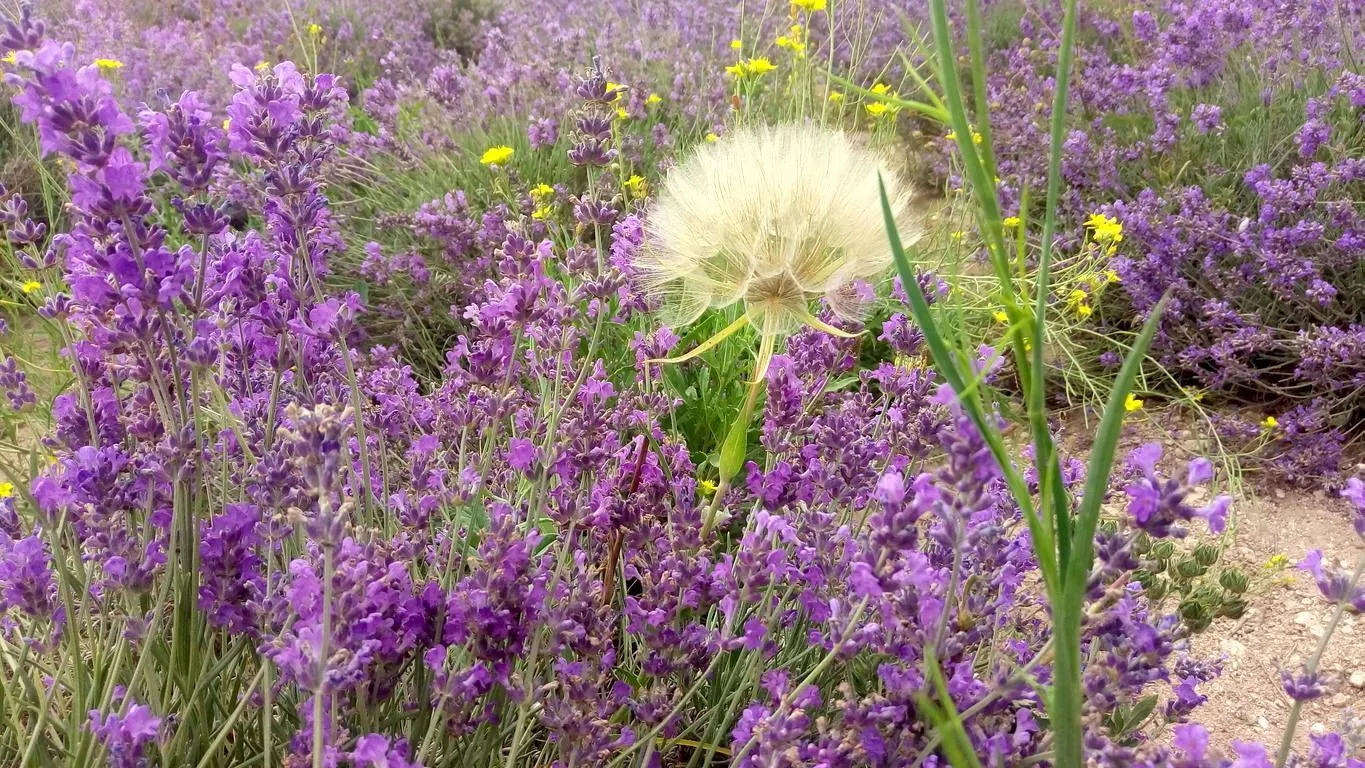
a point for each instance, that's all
(250, 534)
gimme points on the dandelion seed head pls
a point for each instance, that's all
(775, 217)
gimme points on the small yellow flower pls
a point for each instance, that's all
(792, 44)
(1010, 222)
(809, 6)
(1131, 403)
(1277, 562)
(497, 155)
(32, 286)
(106, 66)
(314, 30)
(882, 89)
(653, 98)
(706, 487)
(877, 108)
(542, 192)
(754, 67)
(637, 186)
(957, 236)
(1078, 301)
(976, 139)
(542, 213)
(1111, 276)
(1269, 423)
(1105, 229)
(6, 490)
(736, 44)
(1001, 317)
(712, 137)
(621, 114)
(836, 97)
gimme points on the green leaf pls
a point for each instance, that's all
(735, 447)
(945, 717)
(1102, 454)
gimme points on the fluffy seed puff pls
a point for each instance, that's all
(773, 216)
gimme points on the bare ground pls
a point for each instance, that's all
(1286, 616)
(1284, 624)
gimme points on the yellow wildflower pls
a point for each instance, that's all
(653, 98)
(6, 490)
(792, 44)
(877, 108)
(758, 65)
(1131, 403)
(957, 236)
(32, 286)
(1111, 276)
(622, 114)
(836, 97)
(712, 137)
(497, 155)
(1269, 423)
(809, 6)
(1010, 222)
(1277, 562)
(637, 186)
(1105, 229)
(736, 44)
(1078, 301)
(542, 213)
(541, 192)
(106, 66)
(976, 139)
(706, 487)
(1001, 317)
(314, 30)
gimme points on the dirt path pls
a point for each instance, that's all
(1282, 627)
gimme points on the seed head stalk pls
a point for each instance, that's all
(1287, 742)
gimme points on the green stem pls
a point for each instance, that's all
(1287, 743)
(1067, 700)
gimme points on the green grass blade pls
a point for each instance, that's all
(969, 398)
(945, 717)
(1053, 496)
(1102, 454)
(977, 56)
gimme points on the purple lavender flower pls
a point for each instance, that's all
(127, 736)
(1302, 686)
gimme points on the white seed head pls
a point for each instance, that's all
(773, 216)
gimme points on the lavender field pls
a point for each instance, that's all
(682, 383)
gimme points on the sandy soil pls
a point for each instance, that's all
(1283, 626)
(1287, 615)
